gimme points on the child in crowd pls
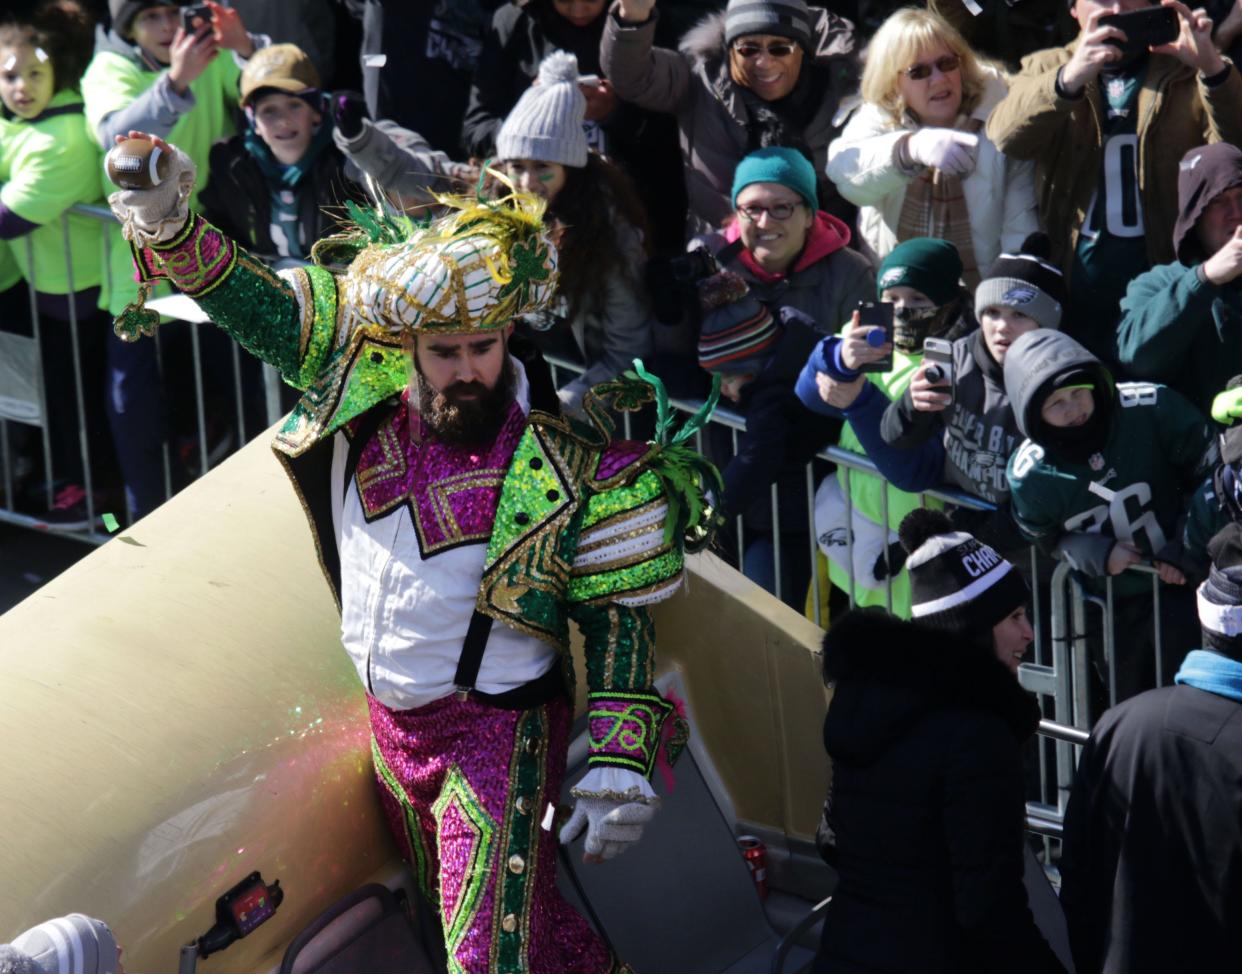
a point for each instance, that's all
(151, 75)
(277, 187)
(48, 163)
(1102, 481)
(920, 278)
(601, 316)
(970, 422)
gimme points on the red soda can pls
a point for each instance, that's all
(756, 855)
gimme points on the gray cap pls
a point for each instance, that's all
(546, 123)
(69, 943)
(780, 18)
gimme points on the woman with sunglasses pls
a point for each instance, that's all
(915, 157)
(765, 72)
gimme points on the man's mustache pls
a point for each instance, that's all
(458, 389)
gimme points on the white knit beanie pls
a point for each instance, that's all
(70, 943)
(546, 123)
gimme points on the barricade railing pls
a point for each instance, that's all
(24, 402)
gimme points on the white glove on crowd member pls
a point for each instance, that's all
(150, 216)
(613, 805)
(948, 150)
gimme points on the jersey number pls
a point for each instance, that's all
(1123, 207)
(1117, 513)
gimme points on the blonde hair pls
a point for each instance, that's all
(897, 45)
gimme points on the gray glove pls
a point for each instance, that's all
(611, 825)
(150, 216)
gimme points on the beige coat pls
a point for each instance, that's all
(1176, 112)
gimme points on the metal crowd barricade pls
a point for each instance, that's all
(24, 398)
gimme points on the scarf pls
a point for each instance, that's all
(277, 173)
(1205, 670)
(935, 206)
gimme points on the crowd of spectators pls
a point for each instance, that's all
(735, 190)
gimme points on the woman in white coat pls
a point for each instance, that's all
(915, 158)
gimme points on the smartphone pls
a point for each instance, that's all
(938, 357)
(877, 314)
(589, 80)
(1145, 28)
(190, 15)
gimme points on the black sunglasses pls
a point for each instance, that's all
(945, 65)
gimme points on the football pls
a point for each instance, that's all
(137, 164)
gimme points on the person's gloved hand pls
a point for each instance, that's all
(612, 825)
(948, 150)
(150, 216)
(349, 111)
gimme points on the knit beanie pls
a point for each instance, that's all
(777, 164)
(780, 18)
(1203, 174)
(957, 583)
(1220, 595)
(925, 264)
(1025, 281)
(69, 943)
(738, 338)
(124, 11)
(546, 123)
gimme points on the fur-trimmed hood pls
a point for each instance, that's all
(890, 674)
(704, 43)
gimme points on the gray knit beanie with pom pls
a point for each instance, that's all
(546, 123)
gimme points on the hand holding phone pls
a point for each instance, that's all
(871, 338)
(1144, 29)
(932, 390)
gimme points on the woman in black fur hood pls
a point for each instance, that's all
(924, 819)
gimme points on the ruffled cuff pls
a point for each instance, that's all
(615, 784)
(627, 730)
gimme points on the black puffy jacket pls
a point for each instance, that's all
(926, 810)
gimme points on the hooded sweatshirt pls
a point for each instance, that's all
(1152, 448)
(121, 91)
(1176, 326)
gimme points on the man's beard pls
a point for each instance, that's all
(452, 419)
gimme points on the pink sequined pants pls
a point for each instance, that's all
(465, 787)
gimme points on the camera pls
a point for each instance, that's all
(692, 267)
(192, 14)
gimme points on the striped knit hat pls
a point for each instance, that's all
(738, 339)
(70, 943)
(780, 18)
(1026, 281)
(957, 582)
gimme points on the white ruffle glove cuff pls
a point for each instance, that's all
(156, 215)
(613, 805)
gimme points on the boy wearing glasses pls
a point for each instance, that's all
(1106, 124)
(765, 72)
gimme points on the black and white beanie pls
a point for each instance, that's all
(1026, 281)
(957, 582)
(75, 943)
(778, 18)
(1220, 595)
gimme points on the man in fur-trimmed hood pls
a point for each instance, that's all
(759, 74)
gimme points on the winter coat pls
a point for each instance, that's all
(1179, 328)
(237, 197)
(717, 118)
(999, 193)
(1152, 861)
(925, 814)
(1135, 489)
(1176, 112)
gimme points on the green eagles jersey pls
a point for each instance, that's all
(1135, 490)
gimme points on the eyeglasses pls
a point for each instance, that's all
(945, 65)
(749, 49)
(779, 211)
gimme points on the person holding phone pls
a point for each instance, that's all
(919, 281)
(968, 419)
(915, 157)
(149, 74)
(1106, 121)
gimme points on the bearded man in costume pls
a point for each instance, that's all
(445, 492)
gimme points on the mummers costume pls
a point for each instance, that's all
(427, 540)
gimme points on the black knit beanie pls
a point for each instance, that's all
(1026, 281)
(957, 583)
(124, 11)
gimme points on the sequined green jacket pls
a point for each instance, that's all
(580, 528)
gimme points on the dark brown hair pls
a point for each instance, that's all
(587, 210)
(64, 29)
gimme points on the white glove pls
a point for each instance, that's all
(613, 805)
(948, 150)
(150, 216)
